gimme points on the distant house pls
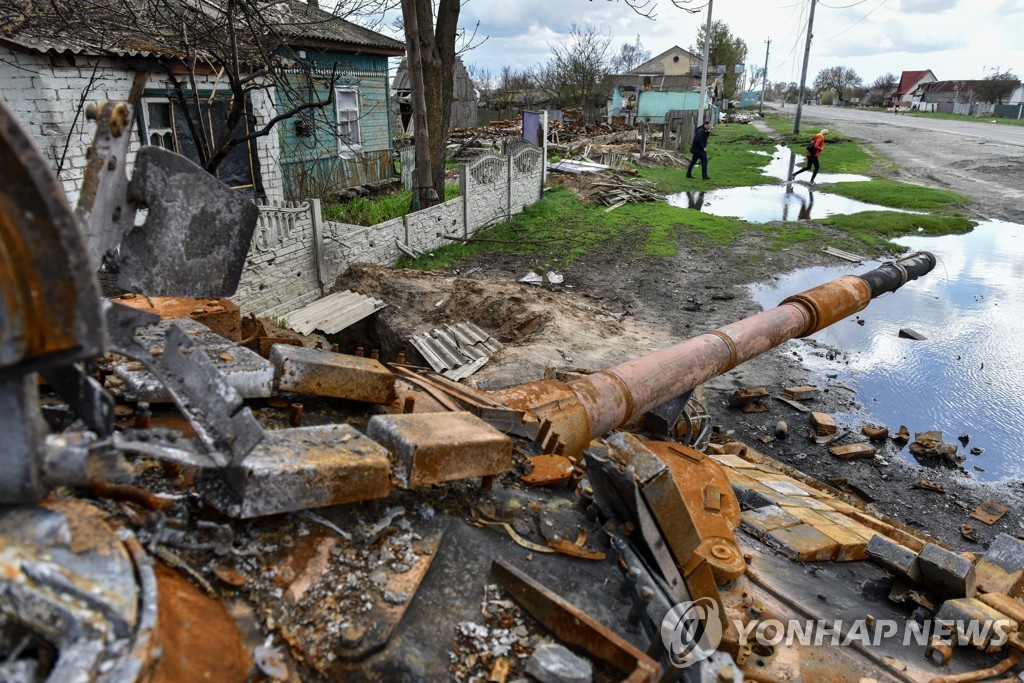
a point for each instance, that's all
(349, 143)
(909, 91)
(944, 96)
(1017, 96)
(49, 69)
(464, 98)
(667, 82)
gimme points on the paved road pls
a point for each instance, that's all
(993, 132)
(983, 161)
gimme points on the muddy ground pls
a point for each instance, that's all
(618, 304)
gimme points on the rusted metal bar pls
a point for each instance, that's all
(575, 627)
(594, 405)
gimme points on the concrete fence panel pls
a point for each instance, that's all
(427, 229)
(282, 268)
(296, 256)
(485, 190)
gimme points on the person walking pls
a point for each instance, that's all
(813, 152)
(699, 151)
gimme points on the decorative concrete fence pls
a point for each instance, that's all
(296, 256)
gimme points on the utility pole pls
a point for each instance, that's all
(704, 71)
(764, 77)
(803, 74)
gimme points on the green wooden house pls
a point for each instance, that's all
(350, 142)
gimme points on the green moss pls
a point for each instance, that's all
(878, 229)
(888, 192)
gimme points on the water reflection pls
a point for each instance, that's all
(764, 203)
(966, 377)
(785, 201)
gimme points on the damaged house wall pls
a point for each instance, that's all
(295, 255)
(46, 92)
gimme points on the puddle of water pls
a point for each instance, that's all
(966, 377)
(778, 202)
(764, 203)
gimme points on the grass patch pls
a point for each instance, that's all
(559, 229)
(901, 195)
(371, 211)
(878, 229)
(965, 117)
(730, 162)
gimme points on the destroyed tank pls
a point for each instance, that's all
(565, 529)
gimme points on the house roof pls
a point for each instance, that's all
(909, 79)
(115, 28)
(462, 86)
(655, 65)
(305, 21)
(658, 83)
(951, 86)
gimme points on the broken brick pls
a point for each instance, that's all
(336, 375)
(802, 543)
(763, 520)
(431, 448)
(801, 393)
(946, 574)
(823, 423)
(309, 467)
(965, 614)
(1001, 569)
(896, 558)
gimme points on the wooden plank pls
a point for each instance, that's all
(853, 450)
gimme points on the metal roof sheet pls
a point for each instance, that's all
(333, 313)
(456, 351)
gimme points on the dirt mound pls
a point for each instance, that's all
(537, 325)
(508, 313)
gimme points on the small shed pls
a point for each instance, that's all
(464, 99)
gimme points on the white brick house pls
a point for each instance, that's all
(47, 78)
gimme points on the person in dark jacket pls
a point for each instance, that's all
(699, 150)
(817, 145)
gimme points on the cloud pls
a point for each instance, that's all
(927, 6)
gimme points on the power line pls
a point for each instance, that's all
(860, 2)
(858, 21)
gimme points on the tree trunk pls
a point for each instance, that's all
(423, 192)
(431, 63)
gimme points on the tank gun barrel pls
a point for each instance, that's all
(592, 406)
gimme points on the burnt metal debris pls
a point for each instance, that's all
(415, 528)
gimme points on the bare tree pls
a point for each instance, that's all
(238, 45)
(838, 79)
(756, 73)
(483, 78)
(630, 57)
(997, 86)
(881, 89)
(577, 66)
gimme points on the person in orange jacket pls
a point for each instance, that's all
(813, 152)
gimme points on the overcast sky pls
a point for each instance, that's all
(956, 39)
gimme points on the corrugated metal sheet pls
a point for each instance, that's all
(333, 313)
(456, 351)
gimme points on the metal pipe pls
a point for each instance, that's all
(591, 407)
